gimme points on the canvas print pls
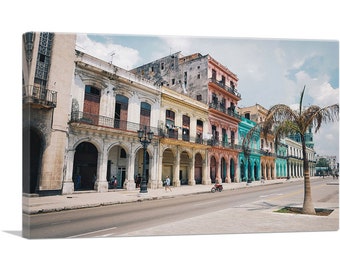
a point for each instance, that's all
(178, 135)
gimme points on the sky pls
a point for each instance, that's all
(270, 71)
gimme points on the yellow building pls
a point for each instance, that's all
(183, 149)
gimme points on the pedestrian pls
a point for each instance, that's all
(167, 183)
(114, 182)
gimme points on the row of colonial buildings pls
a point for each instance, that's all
(81, 116)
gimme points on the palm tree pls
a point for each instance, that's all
(281, 120)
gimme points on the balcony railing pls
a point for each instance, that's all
(227, 88)
(40, 96)
(220, 107)
(214, 142)
(99, 120)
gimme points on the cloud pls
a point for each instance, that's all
(121, 56)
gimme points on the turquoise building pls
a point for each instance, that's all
(281, 161)
(249, 161)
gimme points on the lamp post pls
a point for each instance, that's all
(145, 138)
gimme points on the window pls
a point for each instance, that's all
(214, 99)
(198, 76)
(145, 113)
(170, 124)
(223, 80)
(199, 97)
(186, 128)
(122, 153)
(162, 66)
(92, 90)
(173, 81)
(121, 112)
(213, 74)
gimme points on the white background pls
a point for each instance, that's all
(260, 19)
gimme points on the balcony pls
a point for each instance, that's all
(220, 107)
(227, 88)
(216, 142)
(39, 96)
(104, 121)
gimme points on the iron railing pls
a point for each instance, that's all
(227, 88)
(100, 120)
(220, 107)
(39, 95)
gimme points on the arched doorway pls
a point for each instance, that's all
(243, 171)
(256, 176)
(85, 166)
(139, 167)
(232, 170)
(223, 170)
(167, 165)
(118, 161)
(198, 168)
(184, 168)
(213, 169)
(32, 155)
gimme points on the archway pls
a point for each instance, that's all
(232, 170)
(243, 171)
(256, 176)
(139, 167)
(167, 165)
(117, 160)
(85, 166)
(223, 170)
(198, 168)
(213, 169)
(184, 168)
(32, 156)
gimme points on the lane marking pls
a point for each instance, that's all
(269, 195)
(93, 232)
(205, 203)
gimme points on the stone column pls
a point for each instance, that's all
(130, 180)
(101, 184)
(176, 182)
(160, 166)
(218, 170)
(68, 185)
(205, 170)
(191, 176)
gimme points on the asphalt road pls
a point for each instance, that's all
(116, 220)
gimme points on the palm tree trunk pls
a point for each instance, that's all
(308, 207)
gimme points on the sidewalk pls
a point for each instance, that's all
(78, 200)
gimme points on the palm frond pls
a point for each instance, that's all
(315, 116)
(301, 99)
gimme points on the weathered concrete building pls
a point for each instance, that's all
(109, 106)
(47, 70)
(206, 80)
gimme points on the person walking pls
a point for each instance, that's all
(167, 183)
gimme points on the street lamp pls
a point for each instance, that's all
(145, 138)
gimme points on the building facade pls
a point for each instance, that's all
(109, 106)
(295, 159)
(47, 70)
(183, 153)
(204, 79)
(258, 113)
(249, 159)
